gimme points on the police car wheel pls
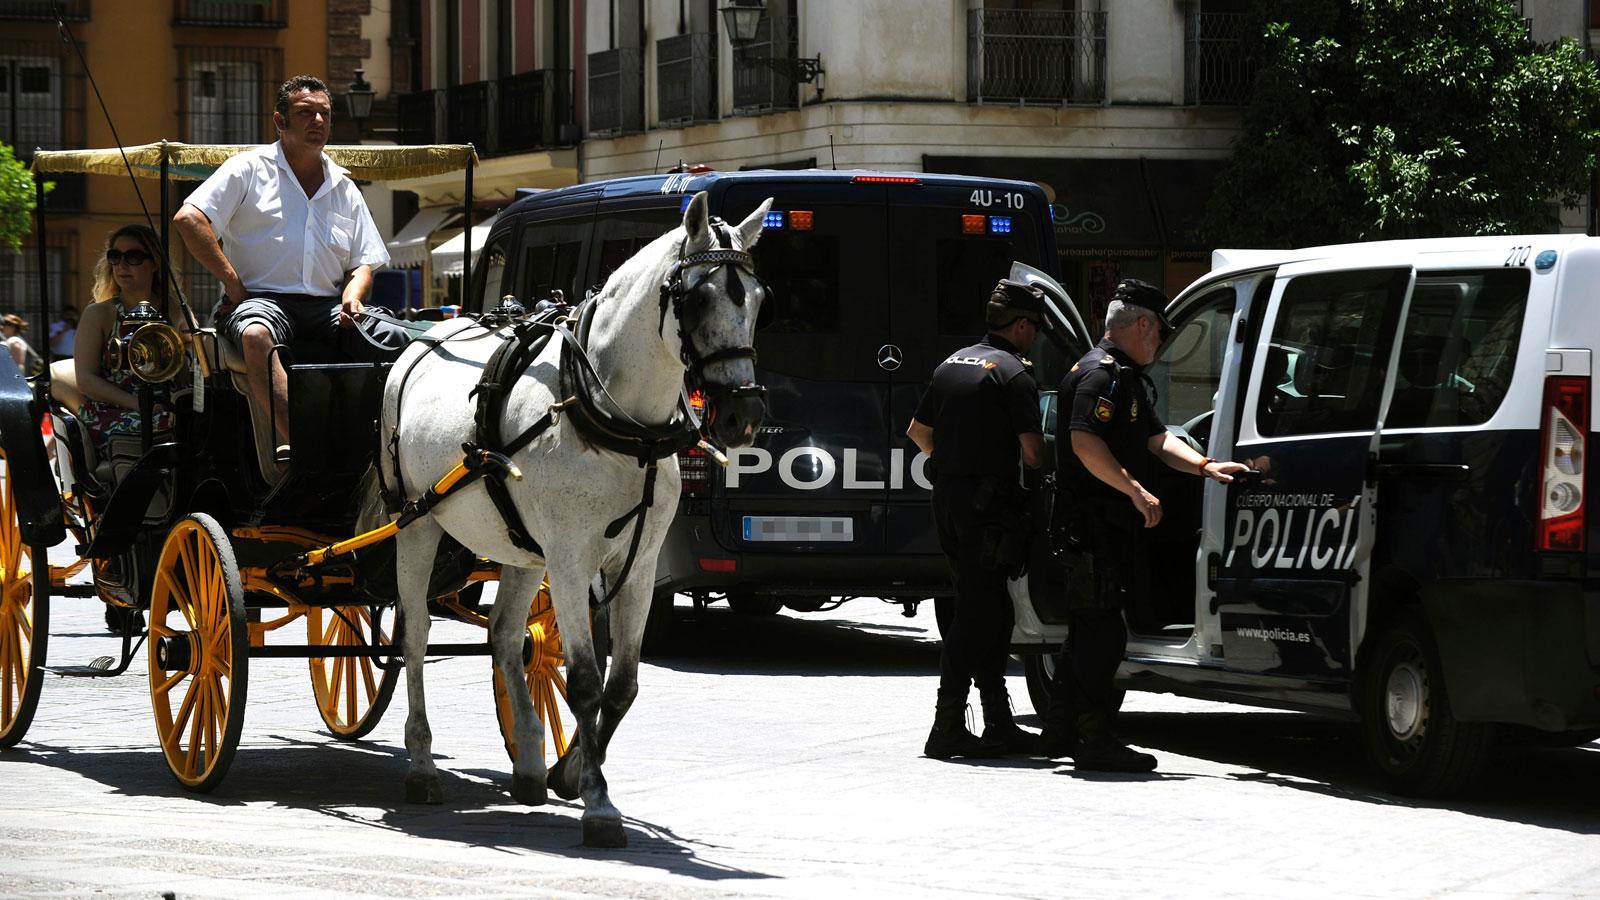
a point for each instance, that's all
(1039, 671)
(1418, 746)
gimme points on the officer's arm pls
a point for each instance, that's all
(1032, 449)
(1097, 458)
(922, 436)
(1179, 455)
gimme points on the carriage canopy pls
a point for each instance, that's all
(196, 162)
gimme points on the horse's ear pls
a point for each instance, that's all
(697, 220)
(750, 228)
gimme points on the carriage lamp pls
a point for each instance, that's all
(152, 350)
(743, 21)
(358, 100)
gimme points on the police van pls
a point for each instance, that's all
(874, 277)
(1413, 548)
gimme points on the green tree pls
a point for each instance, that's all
(16, 200)
(1373, 119)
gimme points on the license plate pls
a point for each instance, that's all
(811, 529)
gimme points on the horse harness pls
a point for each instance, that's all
(488, 457)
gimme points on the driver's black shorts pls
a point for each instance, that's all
(295, 318)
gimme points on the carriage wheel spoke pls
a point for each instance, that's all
(165, 687)
(185, 709)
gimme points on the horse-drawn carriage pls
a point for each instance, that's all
(404, 483)
(200, 533)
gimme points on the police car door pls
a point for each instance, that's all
(1297, 538)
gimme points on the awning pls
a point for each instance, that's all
(447, 256)
(409, 249)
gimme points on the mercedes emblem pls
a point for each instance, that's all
(889, 357)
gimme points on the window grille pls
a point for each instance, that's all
(226, 95)
(231, 13)
(1045, 57)
(44, 10)
(757, 87)
(19, 281)
(686, 78)
(1216, 70)
(616, 91)
(41, 97)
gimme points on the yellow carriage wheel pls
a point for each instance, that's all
(24, 622)
(199, 652)
(352, 691)
(543, 680)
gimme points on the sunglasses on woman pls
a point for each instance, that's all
(131, 257)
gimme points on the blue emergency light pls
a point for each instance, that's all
(774, 219)
(999, 224)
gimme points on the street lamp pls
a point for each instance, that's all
(358, 100)
(743, 18)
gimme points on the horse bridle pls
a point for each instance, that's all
(673, 294)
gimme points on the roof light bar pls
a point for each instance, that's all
(887, 179)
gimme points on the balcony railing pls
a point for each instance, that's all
(519, 112)
(758, 87)
(686, 78)
(616, 91)
(1216, 70)
(1032, 57)
(41, 97)
(231, 13)
(44, 10)
(535, 110)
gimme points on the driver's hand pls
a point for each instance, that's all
(1148, 506)
(1224, 471)
(349, 311)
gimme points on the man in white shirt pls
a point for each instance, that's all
(301, 248)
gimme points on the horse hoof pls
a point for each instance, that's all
(565, 785)
(424, 789)
(527, 790)
(605, 834)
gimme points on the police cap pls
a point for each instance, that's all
(1144, 295)
(1024, 301)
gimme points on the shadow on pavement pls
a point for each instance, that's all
(718, 640)
(1549, 788)
(363, 784)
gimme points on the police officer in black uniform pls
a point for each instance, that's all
(1104, 508)
(979, 416)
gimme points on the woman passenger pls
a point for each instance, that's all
(11, 328)
(131, 271)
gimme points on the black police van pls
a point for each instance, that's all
(1414, 551)
(874, 278)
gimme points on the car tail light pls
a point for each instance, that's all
(1564, 435)
(886, 179)
(800, 220)
(716, 564)
(971, 224)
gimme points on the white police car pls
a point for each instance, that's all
(1415, 552)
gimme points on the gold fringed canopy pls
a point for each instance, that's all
(196, 162)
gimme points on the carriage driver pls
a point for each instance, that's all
(301, 249)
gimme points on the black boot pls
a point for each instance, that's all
(1100, 751)
(1001, 736)
(1060, 736)
(950, 736)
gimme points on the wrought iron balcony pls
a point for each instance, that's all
(508, 115)
(231, 13)
(44, 10)
(1036, 57)
(469, 114)
(535, 110)
(420, 117)
(616, 91)
(686, 78)
(1216, 70)
(757, 86)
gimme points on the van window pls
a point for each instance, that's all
(1188, 368)
(1329, 352)
(1458, 347)
(493, 280)
(549, 261)
(623, 232)
(801, 271)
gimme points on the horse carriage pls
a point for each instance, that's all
(199, 533)
(204, 545)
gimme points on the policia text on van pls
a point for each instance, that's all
(1416, 552)
(873, 278)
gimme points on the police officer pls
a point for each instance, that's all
(1115, 438)
(979, 415)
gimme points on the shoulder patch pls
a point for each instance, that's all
(1103, 409)
(1108, 360)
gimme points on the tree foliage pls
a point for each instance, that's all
(16, 200)
(1375, 119)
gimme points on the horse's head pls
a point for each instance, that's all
(716, 297)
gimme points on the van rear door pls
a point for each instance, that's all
(816, 479)
(950, 243)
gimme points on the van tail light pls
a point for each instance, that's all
(695, 471)
(1564, 436)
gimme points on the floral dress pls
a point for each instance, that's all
(106, 419)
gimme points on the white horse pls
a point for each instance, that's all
(571, 488)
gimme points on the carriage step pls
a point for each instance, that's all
(99, 667)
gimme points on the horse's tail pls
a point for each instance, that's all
(372, 509)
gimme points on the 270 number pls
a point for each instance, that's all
(1518, 256)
